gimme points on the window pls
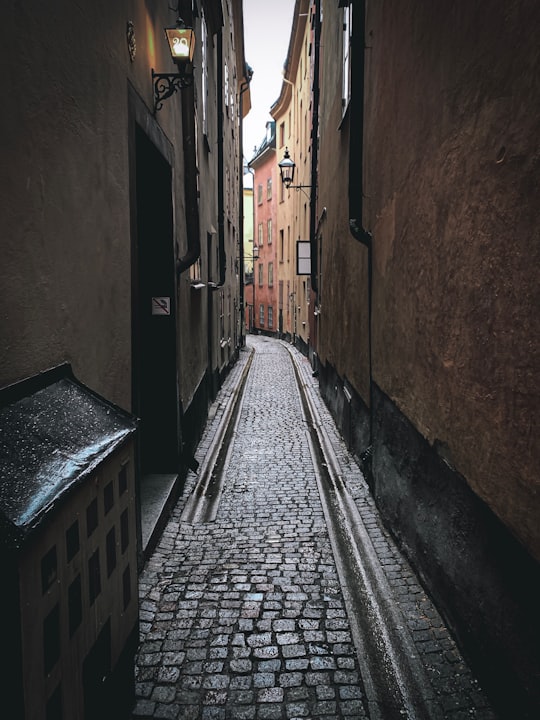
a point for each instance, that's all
(94, 577)
(108, 497)
(48, 569)
(75, 605)
(281, 245)
(91, 517)
(269, 189)
(110, 547)
(51, 639)
(261, 274)
(261, 315)
(260, 234)
(72, 540)
(269, 230)
(270, 316)
(282, 134)
(122, 480)
(259, 194)
(124, 530)
(270, 274)
(126, 586)
(346, 69)
(53, 710)
(204, 73)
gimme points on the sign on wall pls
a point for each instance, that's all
(303, 257)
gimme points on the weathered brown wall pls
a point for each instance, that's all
(343, 339)
(64, 194)
(451, 188)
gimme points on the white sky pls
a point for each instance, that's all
(267, 31)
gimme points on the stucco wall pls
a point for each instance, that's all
(343, 339)
(64, 290)
(452, 175)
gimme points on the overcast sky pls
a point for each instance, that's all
(267, 31)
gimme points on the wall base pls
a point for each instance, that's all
(482, 580)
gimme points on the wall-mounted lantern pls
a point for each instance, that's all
(287, 166)
(181, 41)
(286, 169)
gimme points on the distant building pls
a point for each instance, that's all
(263, 164)
(293, 119)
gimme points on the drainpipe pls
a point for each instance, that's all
(315, 151)
(220, 163)
(356, 195)
(190, 174)
(243, 88)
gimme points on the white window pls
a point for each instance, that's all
(346, 74)
(204, 74)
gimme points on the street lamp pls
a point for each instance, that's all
(181, 40)
(255, 257)
(287, 166)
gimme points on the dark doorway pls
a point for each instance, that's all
(154, 342)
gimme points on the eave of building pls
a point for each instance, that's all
(290, 67)
(243, 69)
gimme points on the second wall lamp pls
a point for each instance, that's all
(181, 41)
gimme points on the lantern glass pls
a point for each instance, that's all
(181, 44)
(286, 169)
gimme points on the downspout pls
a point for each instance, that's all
(356, 197)
(243, 87)
(190, 175)
(220, 163)
(315, 152)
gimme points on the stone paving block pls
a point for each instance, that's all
(244, 617)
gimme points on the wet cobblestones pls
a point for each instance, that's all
(244, 617)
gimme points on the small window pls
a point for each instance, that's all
(269, 231)
(75, 604)
(260, 234)
(72, 541)
(124, 531)
(261, 315)
(94, 577)
(108, 497)
(270, 317)
(261, 274)
(269, 189)
(259, 194)
(123, 479)
(126, 586)
(53, 709)
(346, 59)
(271, 274)
(48, 569)
(91, 517)
(51, 639)
(111, 551)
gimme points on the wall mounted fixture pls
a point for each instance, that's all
(181, 41)
(287, 166)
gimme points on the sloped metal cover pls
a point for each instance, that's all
(49, 441)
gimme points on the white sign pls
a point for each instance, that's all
(161, 306)
(303, 257)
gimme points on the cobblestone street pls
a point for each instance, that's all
(244, 616)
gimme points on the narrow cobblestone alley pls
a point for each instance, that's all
(244, 616)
